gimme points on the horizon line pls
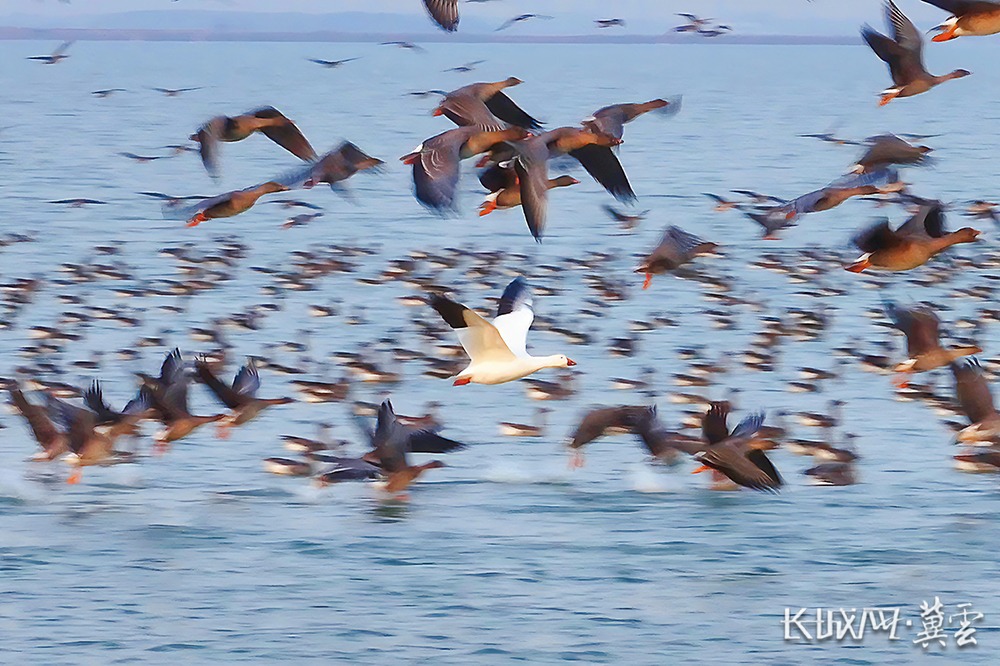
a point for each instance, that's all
(12, 33)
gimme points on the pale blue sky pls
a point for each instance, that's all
(749, 16)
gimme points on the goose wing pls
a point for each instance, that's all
(226, 395)
(514, 316)
(444, 13)
(480, 339)
(286, 134)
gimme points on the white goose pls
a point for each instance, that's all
(497, 350)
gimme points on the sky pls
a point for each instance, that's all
(820, 17)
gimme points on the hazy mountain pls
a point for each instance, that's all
(409, 22)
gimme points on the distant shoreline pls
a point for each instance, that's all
(147, 35)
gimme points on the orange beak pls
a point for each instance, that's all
(570, 362)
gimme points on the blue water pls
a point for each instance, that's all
(506, 555)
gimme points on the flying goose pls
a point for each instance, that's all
(497, 350)
(904, 55)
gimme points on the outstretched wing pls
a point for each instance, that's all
(751, 469)
(480, 339)
(38, 420)
(390, 441)
(286, 134)
(972, 391)
(505, 109)
(436, 168)
(879, 236)
(601, 163)
(533, 180)
(919, 325)
(425, 441)
(749, 426)
(172, 368)
(444, 13)
(714, 426)
(514, 316)
(208, 148)
(93, 397)
(247, 380)
(226, 394)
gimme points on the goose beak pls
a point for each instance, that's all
(570, 362)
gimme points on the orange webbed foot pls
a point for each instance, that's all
(648, 281)
(886, 98)
(74, 478)
(945, 36)
(857, 266)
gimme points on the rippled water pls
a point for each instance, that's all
(505, 554)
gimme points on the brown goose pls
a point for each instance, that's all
(887, 149)
(604, 421)
(53, 442)
(976, 402)
(419, 439)
(611, 120)
(391, 444)
(593, 151)
(969, 17)
(232, 203)
(904, 55)
(665, 445)
(267, 120)
(832, 474)
(913, 244)
(676, 248)
(509, 196)
(339, 165)
(167, 395)
(436, 161)
(125, 422)
(628, 221)
(87, 444)
(485, 105)
(923, 345)
(241, 397)
(735, 457)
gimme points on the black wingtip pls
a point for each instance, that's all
(450, 311)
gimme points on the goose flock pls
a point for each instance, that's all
(517, 161)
